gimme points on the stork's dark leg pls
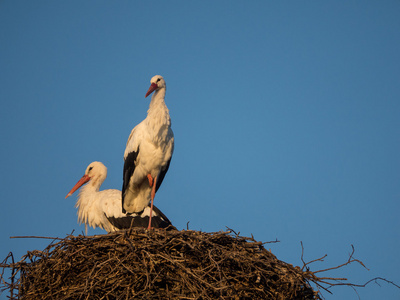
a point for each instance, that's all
(153, 194)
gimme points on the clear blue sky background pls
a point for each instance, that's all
(286, 118)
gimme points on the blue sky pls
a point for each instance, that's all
(285, 115)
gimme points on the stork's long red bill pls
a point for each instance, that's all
(85, 178)
(152, 88)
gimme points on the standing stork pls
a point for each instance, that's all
(148, 153)
(103, 208)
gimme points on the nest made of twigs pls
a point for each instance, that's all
(157, 264)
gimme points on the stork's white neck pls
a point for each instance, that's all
(87, 195)
(158, 113)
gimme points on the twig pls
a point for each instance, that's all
(349, 261)
(35, 237)
(365, 284)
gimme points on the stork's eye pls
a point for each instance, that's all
(90, 169)
(158, 79)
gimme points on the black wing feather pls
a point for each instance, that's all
(129, 168)
(161, 216)
(159, 220)
(161, 176)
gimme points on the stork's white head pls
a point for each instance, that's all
(96, 170)
(157, 82)
(96, 173)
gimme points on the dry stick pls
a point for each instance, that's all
(191, 273)
(13, 273)
(365, 284)
(35, 237)
(304, 263)
(349, 261)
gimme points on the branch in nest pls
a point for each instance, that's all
(327, 280)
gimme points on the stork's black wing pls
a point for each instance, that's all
(158, 220)
(161, 176)
(161, 220)
(129, 168)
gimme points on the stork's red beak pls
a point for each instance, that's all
(152, 88)
(85, 178)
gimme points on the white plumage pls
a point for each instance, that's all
(148, 152)
(103, 208)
